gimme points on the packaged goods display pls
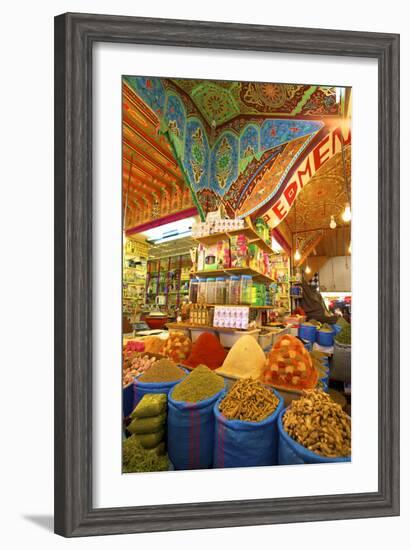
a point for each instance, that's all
(207, 351)
(319, 424)
(239, 251)
(289, 365)
(248, 400)
(135, 458)
(163, 370)
(177, 346)
(231, 317)
(244, 360)
(200, 384)
(246, 289)
(200, 315)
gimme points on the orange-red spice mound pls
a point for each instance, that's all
(208, 351)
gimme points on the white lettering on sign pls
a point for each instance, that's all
(329, 146)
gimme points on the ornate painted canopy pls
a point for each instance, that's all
(202, 142)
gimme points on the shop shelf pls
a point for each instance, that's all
(249, 232)
(257, 276)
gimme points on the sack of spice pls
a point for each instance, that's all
(191, 419)
(161, 377)
(135, 458)
(314, 429)
(207, 350)
(150, 405)
(246, 432)
(147, 425)
(149, 441)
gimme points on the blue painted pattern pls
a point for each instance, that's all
(276, 132)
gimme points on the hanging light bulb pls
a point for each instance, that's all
(332, 223)
(347, 213)
(297, 255)
(307, 269)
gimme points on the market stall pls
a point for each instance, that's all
(236, 298)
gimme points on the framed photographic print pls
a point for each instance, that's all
(226, 274)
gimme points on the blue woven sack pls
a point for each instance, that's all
(127, 400)
(242, 444)
(291, 452)
(191, 432)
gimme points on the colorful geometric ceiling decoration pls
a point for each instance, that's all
(153, 184)
(215, 164)
(222, 101)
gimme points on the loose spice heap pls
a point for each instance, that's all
(208, 351)
(135, 366)
(163, 370)
(177, 346)
(319, 424)
(289, 365)
(244, 360)
(137, 459)
(248, 400)
(200, 384)
(153, 344)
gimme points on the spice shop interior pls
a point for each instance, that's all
(236, 290)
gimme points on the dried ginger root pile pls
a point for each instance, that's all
(319, 424)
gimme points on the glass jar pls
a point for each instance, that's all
(210, 290)
(201, 295)
(193, 290)
(220, 291)
(234, 289)
(246, 289)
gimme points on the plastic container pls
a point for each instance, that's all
(201, 295)
(307, 332)
(291, 452)
(243, 444)
(193, 290)
(324, 338)
(234, 289)
(246, 289)
(220, 290)
(210, 290)
(265, 340)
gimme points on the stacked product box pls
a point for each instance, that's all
(231, 317)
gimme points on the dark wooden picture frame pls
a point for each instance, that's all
(75, 35)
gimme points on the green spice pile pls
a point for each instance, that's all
(137, 459)
(163, 370)
(248, 400)
(319, 424)
(148, 421)
(200, 384)
(345, 335)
